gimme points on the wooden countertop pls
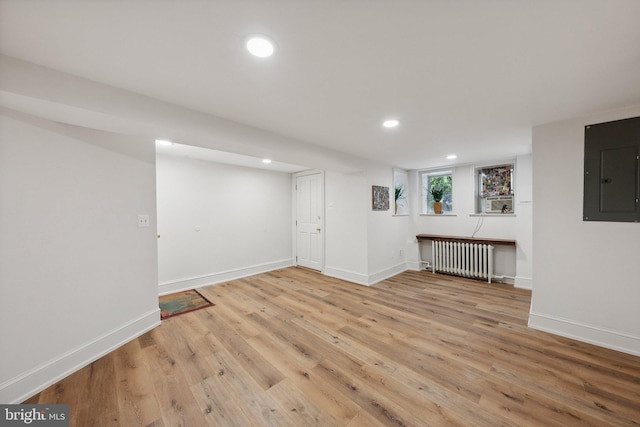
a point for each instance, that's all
(481, 241)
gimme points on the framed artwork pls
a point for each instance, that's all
(379, 198)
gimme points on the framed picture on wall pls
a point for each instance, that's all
(379, 198)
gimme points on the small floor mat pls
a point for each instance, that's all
(182, 302)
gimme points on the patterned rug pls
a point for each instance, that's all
(182, 302)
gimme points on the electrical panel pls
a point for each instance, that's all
(612, 171)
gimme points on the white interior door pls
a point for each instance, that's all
(309, 221)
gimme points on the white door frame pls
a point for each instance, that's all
(294, 214)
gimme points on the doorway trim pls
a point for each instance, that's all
(294, 214)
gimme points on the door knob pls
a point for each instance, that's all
(318, 229)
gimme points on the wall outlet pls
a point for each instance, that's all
(143, 220)
(401, 252)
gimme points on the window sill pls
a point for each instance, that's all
(442, 214)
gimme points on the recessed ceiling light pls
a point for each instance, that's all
(260, 46)
(266, 161)
(391, 123)
(164, 142)
(451, 157)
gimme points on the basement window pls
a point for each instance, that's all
(433, 183)
(495, 190)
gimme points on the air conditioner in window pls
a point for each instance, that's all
(499, 204)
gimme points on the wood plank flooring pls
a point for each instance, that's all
(295, 348)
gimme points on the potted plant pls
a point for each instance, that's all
(437, 192)
(399, 195)
(440, 186)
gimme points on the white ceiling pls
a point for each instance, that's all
(206, 154)
(469, 77)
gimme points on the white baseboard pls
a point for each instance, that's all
(349, 276)
(386, 273)
(415, 265)
(363, 279)
(223, 276)
(601, 337)
(524, 283)
(27, 384)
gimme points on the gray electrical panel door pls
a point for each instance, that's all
(612, 171)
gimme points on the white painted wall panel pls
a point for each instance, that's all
(587, 283)
(386, 233)
(346, 198)
(215, 219)
(77, 275)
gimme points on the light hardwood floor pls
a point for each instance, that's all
(295, 348)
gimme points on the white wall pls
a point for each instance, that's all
(386, 232)
(587, 282)
(463, 223)
(362, 245)
(77, 276)
(219, 222)
(524, 222)
(346, 227)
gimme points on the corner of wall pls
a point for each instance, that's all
(386, 273)
(27, 384)
(346, 275)
(579, 331)
(523, 282)
(364, 279)
(219, 277)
